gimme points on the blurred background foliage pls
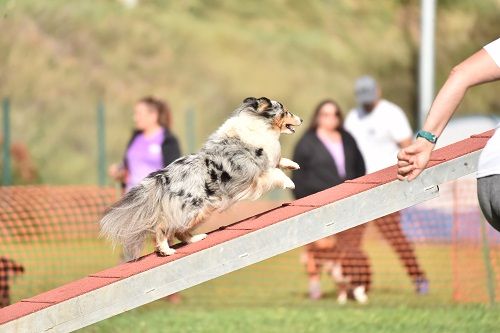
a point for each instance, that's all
(58, 58)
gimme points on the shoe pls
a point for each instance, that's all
(422, 286)
(174, 298)
(342, 298)
(314, 290)
(359, 294)
(337, 274)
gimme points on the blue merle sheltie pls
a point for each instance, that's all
(241, 160)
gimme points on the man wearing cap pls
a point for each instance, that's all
(381, 129)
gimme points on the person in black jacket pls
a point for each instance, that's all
(152, 145)
(328, 155)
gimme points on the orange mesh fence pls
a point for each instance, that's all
(51, 232)
(445, 242)
(476, 248)
(441, 247)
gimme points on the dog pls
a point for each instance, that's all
(240, 161)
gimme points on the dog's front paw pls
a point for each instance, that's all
(285, 163)
(288, 183)
(293, 166)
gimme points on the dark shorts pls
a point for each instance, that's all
(488, 193)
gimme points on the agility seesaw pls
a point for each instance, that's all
(130, 285)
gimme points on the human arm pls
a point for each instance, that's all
(477, 69)
(405, 143)
(358, 162)
(170, 150)
(118, 172)
(400, 131)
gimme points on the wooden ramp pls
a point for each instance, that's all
(130, 285)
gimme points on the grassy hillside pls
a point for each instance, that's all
(58, 58)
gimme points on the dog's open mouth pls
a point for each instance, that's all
(290, 127)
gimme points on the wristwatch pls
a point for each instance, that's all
(427, 135)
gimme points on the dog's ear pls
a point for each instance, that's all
(264, 103)
(251, 101)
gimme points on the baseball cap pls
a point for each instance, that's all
(365, 89)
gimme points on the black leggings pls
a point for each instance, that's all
(488, 194)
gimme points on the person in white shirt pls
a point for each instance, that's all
(380, 129)
(483, 66)
(379, 126)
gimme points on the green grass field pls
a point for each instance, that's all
(323, 316)
(271, 296)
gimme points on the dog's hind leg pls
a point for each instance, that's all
(183, 236)
(132, 250)
(187, 237)
(163, 238)
(197, 238)
(200, 217)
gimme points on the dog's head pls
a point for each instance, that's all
(273, 113)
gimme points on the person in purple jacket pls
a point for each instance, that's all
(152, 145)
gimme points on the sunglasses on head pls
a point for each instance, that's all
(336, 114)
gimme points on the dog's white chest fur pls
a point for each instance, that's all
(255, 133)
(272, 148)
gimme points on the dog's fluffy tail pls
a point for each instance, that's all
(129, 220)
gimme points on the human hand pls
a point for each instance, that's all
(117, 172)
(413, 159)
